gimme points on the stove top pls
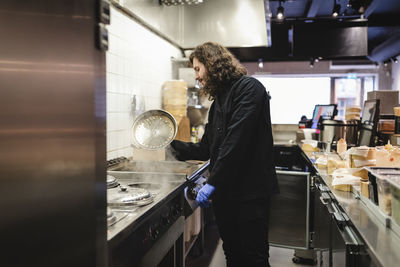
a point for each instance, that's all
(158, 179)
(160, 223)
(114, 217)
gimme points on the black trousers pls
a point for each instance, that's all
(243, 228)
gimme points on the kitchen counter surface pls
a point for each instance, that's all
(383, 243)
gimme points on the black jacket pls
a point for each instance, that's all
(238, 141)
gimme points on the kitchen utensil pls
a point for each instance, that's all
(154, 129)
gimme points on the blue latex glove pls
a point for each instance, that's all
(204, 194)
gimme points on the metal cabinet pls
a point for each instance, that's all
(306, 216)
(290, 211)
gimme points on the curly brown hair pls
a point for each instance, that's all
(221, 65)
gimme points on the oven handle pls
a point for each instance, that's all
(198, 172)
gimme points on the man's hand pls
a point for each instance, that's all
(204, 194)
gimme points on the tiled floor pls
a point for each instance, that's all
(213, 255)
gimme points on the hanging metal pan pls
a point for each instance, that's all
(154, 129)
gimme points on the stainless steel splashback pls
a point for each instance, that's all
(233, 23)
(52, 135)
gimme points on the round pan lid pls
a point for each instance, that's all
(133, 196)
(154, 129)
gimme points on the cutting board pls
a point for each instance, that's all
(183, 133)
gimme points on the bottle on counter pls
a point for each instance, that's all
(193, 135)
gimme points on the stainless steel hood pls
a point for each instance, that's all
(233, 23)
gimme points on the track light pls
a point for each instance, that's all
(336, 10)
(260, 63)
(394, 59)
(280, 12)
(312, 61)
(359, 5)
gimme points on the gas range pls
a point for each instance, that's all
(142, 226)
(160, 187)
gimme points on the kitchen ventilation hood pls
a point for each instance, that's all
(233, 23)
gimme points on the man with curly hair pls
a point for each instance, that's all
(238, 141)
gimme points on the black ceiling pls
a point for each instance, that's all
(367, 29)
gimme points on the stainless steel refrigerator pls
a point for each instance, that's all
(52, 132)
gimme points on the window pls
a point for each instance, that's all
(292, 97)
(350, 91)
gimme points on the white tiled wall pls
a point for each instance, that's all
(138, 63)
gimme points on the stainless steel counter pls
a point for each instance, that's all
(383, 244)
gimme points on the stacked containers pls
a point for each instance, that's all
(175, 98)
(353, 113)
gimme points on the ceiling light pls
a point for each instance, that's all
(394, 59)
(260, 63)
(336, 10)
(359, 5)
(280, 12)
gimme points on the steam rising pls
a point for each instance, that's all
(158, 177)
